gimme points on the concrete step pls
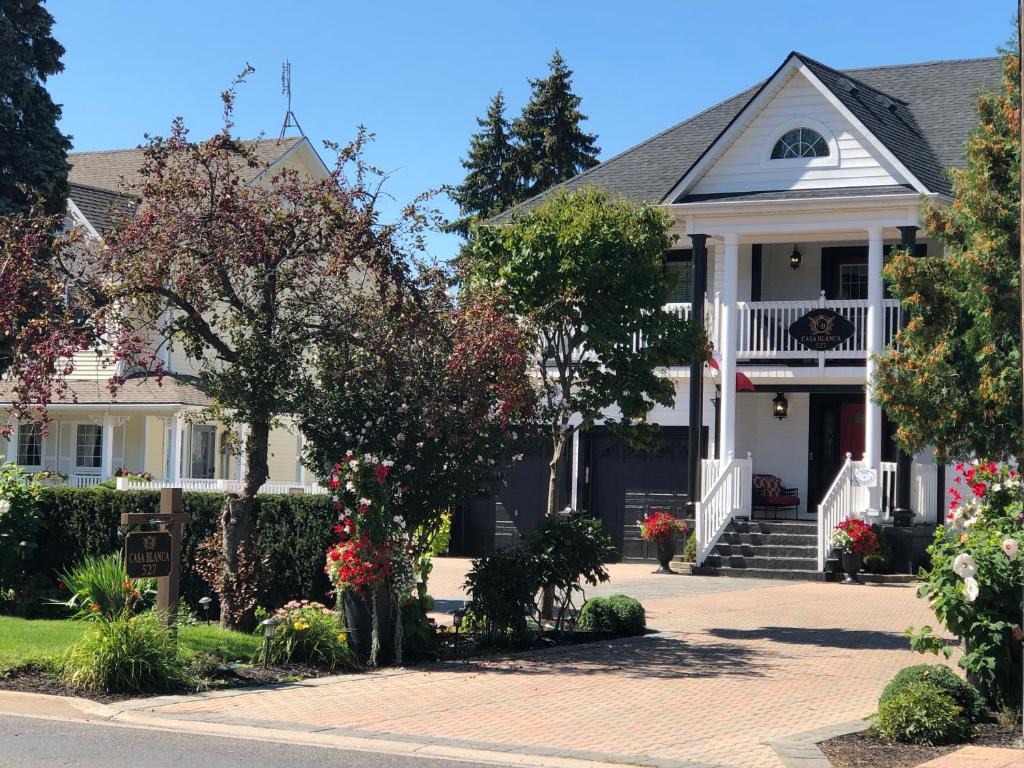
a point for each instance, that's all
(762, 563)
(761, 573)
(804, 527)
(765, 550)
(780, 539)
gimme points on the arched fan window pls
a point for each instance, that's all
(800, 142)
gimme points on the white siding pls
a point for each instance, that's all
(779, 447)
(744, 166)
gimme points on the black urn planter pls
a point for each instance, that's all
(852, 562)
(665, 550)
(358, 607)
(902, 518)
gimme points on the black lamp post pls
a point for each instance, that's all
(205, 603)
(269, 625)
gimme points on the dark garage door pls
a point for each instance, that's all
(616, 469)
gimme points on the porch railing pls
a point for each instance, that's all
(726, 497)
(763, 327)
(84, 481)
(842, 500)
(922, 490)
(214, 486)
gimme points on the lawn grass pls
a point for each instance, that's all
(40, 640)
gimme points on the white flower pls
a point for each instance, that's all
(408, 467)
(964, 566)
(387, 463)
(517, 457)
(1010, 548)
(5, 506)
(350, 486)
(971, 588)
(364, 502)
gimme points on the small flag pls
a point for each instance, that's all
(743, 384)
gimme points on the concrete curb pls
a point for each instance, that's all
(800, 750)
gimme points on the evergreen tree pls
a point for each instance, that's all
(492, 182)
(953, 380)
(33, 152)
(553, 146)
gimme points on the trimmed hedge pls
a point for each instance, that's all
(292, 531)
(618, 616)
(945, 679)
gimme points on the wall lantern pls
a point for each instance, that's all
(780, 407)
(795, 258)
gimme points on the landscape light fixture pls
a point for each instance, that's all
(269, 625)
(795, 258)
(205, 603)
(780, 407)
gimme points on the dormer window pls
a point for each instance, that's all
(800, 142)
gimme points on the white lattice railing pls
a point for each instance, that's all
(763, 327)
(727, 496)
(842, 500)
(214, 486)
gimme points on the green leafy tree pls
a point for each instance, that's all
(953, 378)
(492, 181)
(553, 146)
(33, 151)
(587, 273)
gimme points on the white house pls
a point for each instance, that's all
(149, 427)
(786, 198)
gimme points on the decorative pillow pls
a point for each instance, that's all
(767, 485)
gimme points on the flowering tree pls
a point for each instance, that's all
(975, 582)
(439, 388)
(248, 279)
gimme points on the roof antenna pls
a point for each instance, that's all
(290, 120)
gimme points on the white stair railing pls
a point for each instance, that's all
(726, 497)
(842, 500)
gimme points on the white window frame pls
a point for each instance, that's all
(780, 130)
(19, 443)
(86, 469)
(193, 444)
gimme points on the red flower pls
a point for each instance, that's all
(335, 555)
(660, 526)
(979, 489)
(381, 472)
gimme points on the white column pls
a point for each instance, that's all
(300, 444)
(107, 448)
(241, 453)
(174, 448)
(727, 334)
(575, 476)
(874, 343)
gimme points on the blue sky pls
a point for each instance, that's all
(418, 73)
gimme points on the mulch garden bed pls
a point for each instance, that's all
(35, 680)
(864, 750)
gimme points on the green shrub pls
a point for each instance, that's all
(19, 523)
(965, 695)
(570, 549)
(419, 633)
(690, 549)
(502, 588)
(617, 616)
(128, 654)
(310, 633)
(100, 588)
(922, 713)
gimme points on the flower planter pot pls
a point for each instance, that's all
(902, 518)
(666, 550)
(852, 563)
(358, 607)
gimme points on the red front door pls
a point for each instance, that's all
(851, 430)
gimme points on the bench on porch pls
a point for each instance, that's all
(769, 495)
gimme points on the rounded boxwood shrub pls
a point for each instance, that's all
(921, 712)
(963, 694)
(127, 654)
(618, 615)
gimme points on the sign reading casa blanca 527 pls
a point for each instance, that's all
(821, 329)
(148, 555)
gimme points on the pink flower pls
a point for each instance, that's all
(1010, 548)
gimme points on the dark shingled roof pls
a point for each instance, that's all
(101, 207)
(921, 112)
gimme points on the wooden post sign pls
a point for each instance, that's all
(157, 554)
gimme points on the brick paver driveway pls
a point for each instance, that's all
(734, 663)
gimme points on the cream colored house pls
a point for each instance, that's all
(149, 426)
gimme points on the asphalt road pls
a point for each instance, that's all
(34, 743)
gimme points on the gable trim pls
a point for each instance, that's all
(792, 65)
(294, 148)
(77, 215)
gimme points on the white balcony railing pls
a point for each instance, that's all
(84, 481)
(213, 486)
(763, 328)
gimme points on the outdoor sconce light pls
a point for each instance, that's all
(205, 603)
(795, 258)
(780, 407)
(269, 625)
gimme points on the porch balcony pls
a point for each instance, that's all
(212, 485)
(763, 327)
